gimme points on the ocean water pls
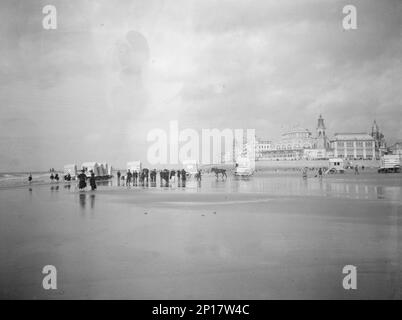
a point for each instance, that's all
(20, 179)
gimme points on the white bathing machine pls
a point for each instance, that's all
(244, 167)
(335, 165)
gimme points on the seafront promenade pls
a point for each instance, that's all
(289, 164)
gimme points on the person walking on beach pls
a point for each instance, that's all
(82, 180)
(135, 177)
(128, 179)
(356, 169)
(51, 177)
(304, 173)
(92, 181)
(198, 175)
(118, 177)
(30, 178)
(172, 177)
(166, 177)
(319, 173)
(56, 177)
(152, 175)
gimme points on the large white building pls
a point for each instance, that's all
(353, 146)
(298, 143)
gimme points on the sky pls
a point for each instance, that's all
(92, 89)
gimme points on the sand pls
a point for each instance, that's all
(270, 237)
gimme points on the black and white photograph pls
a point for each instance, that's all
(200, 150)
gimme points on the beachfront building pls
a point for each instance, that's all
(262, 146)
(354, 146)
(396, 148)
(297, 143)
(291, 146)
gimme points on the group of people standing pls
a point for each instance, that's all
(133, 178)
(82, 180)
(54, 177)
(145, 175)
(319, 174)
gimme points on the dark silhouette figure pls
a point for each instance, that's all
(135, 178)
(129, 176)
(82, 180)
(92, 181)
(356, 169)
(118, 177)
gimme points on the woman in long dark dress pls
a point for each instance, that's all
(92, 182)
(82, 180)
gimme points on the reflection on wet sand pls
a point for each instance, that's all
(83, 201)
(376, 187)
(269, 232)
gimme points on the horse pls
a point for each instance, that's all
(218, 171)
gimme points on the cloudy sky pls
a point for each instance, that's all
(113, 70)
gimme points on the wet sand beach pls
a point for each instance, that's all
(272, 236)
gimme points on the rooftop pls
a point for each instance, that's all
(353, 136)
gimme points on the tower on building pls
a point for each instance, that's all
(378, 136)
(322, 141)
